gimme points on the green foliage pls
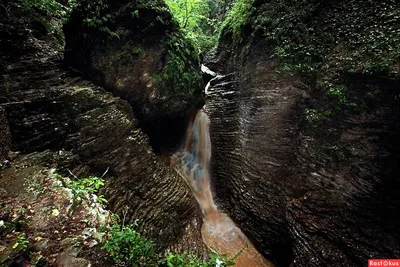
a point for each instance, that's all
(322, 43)
(85, 186)
(45, 11)
(196, 18)
(181, 72)
(49, 7)
(103, 16)
(138, 50)
(326, 155)
(22, 242)
(313, 117)
(129, 52)
(343, 51)
(342, 37)
(190, 260)
(96, 16)
(337, 101)
(237, 17)
(126, 245)
(363, 34)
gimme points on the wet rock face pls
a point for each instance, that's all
(90, 131)
(253, 129)
(347, 211)
(298, 210)
(140, 55)
(87, 130)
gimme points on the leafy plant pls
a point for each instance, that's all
(324, 155)
(190, 260)
(198, 20)
(46, 9)
(49, 7)
(22, 242)
(85, 186)
(96, 16)
(180, 72)
(125, 244)
(331, 48)
(237, 17)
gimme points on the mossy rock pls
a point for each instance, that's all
(135, 50)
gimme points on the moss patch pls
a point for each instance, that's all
(346, 53)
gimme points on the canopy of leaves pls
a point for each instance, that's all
(200, 19)
(45, 12)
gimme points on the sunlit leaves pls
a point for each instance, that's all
(237, 17)
(195, 18)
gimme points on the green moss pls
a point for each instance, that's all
(346, 52)
(181, 71)
(308, 35)
(104, 16)
(360, 36)
(44, 16)
(237, 17)
(130, 52)
(323, 43)
(140, 40)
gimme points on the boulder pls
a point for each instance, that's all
(136, 50)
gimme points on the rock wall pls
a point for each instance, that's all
(87, 130)
(308, 177)
(135, 50)
(254, 125)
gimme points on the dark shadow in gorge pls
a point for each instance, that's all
(383, 206)
(167, 135)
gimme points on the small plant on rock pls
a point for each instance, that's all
(22, 242)
(126, 245)
(83, 187)
(190, 260)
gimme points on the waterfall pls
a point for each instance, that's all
(193, 163)
(219, 232)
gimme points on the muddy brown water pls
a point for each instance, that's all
(219, 232)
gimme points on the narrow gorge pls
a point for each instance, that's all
(199, 133)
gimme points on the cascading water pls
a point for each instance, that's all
(219, 232)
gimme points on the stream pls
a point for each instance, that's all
(219, 232)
